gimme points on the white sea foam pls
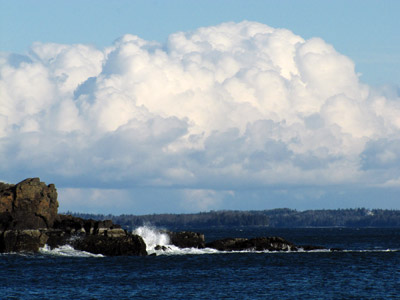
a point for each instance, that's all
(174, 250)
(152, 237)
(66, 250)
(158, 242)
(373, 250)
(312, 251)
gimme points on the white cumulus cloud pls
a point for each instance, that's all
(238, 105)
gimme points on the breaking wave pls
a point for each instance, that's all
(158, 243)
(67, 251)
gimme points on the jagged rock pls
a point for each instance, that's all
(57, 237)
(29, 220)
(160, 247)
(187, 239)
(22, 240)
(116, 233)
(99, 237)
(70, 224)
(227, 244)
(30, 204)
(272, 244)
(98, 244)
(74, 225)
(257, 244)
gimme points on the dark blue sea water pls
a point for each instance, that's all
(369, 268)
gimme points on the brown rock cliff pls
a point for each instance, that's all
(30, 204)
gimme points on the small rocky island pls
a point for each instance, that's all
(29, 220)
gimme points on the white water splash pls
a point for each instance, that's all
(158, 242)
(152, 237)
(66, 250)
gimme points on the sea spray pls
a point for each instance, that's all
(158, 242)
(152, 237)
(66, 250)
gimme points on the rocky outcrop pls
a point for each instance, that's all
(130, 244)
(22, 240)
(30, 204)
(98, 237)
(187, 239)
(29, 220)
(254, 244)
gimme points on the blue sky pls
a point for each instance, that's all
(185, 106)
(364, 30)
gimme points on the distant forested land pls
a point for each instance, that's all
(277, 218)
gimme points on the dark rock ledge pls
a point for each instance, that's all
(255, 244)
(196, 240)
(29, 220)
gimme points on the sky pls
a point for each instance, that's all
(136, 107)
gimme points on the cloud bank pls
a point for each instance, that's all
(221, 109)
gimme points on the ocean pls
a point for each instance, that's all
(367, 268)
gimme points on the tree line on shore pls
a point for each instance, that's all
(275, 218)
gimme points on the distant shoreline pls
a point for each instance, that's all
(274, 218)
